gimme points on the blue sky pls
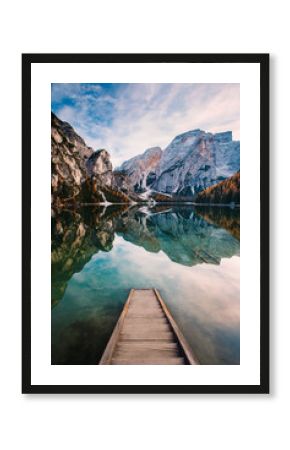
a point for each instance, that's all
(126, 119)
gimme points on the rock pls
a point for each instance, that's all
(68, 161)
(192, 162)
(56, 136)
(121, 182)
(99, 163)
(195, 160)
(80, 175)
(64, 130)
(140, 170)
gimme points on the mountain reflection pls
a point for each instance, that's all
(187, 235)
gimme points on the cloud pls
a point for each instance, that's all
(126, 119)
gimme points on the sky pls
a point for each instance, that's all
(126, 119)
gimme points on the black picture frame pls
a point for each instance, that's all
(263, 61)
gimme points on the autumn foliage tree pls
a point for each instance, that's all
(227, 191)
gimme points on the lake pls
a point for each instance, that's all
(191, 254)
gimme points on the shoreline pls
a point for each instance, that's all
(77, 205)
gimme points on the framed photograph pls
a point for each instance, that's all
(145, 223)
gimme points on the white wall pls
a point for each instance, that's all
(221, 422)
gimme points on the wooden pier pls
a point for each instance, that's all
(146, 333)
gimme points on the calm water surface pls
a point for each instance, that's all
(190, 254)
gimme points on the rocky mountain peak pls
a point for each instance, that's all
(69, 153)
(195, 160)
(150, 157)
(187, 134)
(99, 163)
(192, 161)
(223, 137)
(151, 152)
(63, 132)
(141, 170)
(80, 175)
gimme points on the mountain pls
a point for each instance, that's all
(78, 174)
(141, 170)
(192, 162)
(68, 160)
(195, 160)
(99, 164)
(227, 191)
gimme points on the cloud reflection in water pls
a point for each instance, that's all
(203, 298)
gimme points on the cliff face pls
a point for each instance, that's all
(99, 164)
(78, 174)
(141, 170)
(192, 162)
(195, 160)
(68, 160)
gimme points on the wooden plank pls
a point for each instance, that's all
(124, 353)
(146, 308)
(148, 340)
(148, 361)
(142, 334)
(146, 321)
(130, 326)
(148, 345)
